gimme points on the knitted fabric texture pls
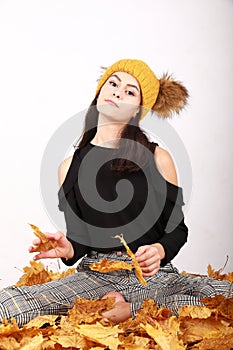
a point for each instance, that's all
(146, 78)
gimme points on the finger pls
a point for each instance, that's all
(36, 241)
(141, 250)
(150, 274)
(46, 254)
(30, 249)
(151, 270)
(148, 255)
(149, 262)
(54, 236)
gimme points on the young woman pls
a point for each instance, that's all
(117, 182)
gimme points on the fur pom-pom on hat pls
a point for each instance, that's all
(164, 96)
(172, 97)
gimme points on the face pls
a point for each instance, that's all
(119, 97)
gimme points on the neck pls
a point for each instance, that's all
(108, 133)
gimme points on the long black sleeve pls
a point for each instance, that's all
(75, 227)
(172, 220)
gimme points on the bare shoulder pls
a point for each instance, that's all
(63, 169)
(165, 165)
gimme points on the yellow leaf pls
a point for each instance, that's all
(137, 267)
(8, 328)
(34, 343)
(9, 343)
(110, 265)
(194, 311)
(45, 244)
(40, 321)
(167, 339)
(70, 340)
(220, 340)
(107, 336)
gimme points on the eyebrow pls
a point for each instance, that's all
(134, 86)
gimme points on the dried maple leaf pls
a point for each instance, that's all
(194, 311)
(137, 267)
(217, 274)
(89, 311)
(34, 274)
(185, 273)
(40, 321)
(134, 342)
(107, 336)
(59, 275)
(221, 304)
(167, 339)
(194, 330)
(46, 244)
(147, 314)
(7, 343)
(7, 328)
(222, 340)
(69, 340)
(32, 343)
(37, 274)
(106, 265)
(230, 277)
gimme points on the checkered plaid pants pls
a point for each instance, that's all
(168, 288)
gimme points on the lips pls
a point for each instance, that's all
(111, 102)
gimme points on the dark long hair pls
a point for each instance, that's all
(131, 132)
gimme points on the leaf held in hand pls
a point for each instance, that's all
(45, 244)
(110, 265)
(137, 267)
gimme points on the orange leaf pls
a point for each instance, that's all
(137, 267)
(46, 244)
(37, 274)
(110, 265)
(167, 339)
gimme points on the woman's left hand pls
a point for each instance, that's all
(149, 258)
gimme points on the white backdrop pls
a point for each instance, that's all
(51, 51)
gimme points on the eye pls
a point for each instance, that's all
(129, 92)
(112, 83)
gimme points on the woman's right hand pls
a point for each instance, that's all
(64, 248)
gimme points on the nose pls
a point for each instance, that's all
(116, 94)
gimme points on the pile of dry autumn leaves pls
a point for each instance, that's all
(197, 327)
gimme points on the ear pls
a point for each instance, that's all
(172, 97)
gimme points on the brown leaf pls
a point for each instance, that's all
(110, 265)
(222, 340)
(40, 321)
(9, 343)
(7, 328)
(37, 274)
(32, 343)
(217, 274)
(134, 342)
(167, 339)
(194, 330)
(69, 340)
(137, 267)
(89, 311)
(223, 305)
(194, 311)
(46, 244)
(34, 274)
(107, 336)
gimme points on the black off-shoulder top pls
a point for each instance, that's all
(98, 204)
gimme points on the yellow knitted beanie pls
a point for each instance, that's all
(147, 80)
